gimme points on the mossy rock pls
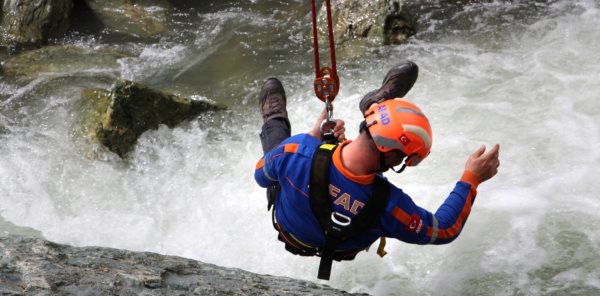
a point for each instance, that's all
(31, 22)
(135, 108)
(92, 106)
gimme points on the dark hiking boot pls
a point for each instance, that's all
(273, 101)
(398, 81)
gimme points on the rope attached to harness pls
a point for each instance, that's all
(327, 82)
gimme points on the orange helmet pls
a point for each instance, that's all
(400, 125)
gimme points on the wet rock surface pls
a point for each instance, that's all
(138, 18)
(356, 23)
(61, 60)
(383, 21)
(33, 22)
(91, 107)
(33, 266)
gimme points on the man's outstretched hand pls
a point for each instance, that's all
(484, 164)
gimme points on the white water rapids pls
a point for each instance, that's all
(524, 76)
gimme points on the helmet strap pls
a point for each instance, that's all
(383, 167)
(401, 169)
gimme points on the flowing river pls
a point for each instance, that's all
(524, 74)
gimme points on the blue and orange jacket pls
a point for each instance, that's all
(289, 165)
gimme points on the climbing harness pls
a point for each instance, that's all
(337, 227)
(327, 82)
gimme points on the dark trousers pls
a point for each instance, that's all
(274, 132)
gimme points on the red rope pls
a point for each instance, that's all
(315, 39)
(331, 43)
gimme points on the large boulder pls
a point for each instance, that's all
(33, 22)
(135, 108)
(138, 18)
(33, 266)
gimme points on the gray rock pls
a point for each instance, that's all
(382, 21)
(8, 228)
(139, 18)
(61, 60)
(33, 266)
(359, 24)
(27, 22)
(135, 109)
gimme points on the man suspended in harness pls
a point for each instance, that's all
(332, 201)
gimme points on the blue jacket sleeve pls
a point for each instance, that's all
(410, 223)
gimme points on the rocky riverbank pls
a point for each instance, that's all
(34, 266)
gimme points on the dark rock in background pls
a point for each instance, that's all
(33, 22)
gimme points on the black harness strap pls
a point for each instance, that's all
(337, 227)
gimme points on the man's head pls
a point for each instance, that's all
(400, 131)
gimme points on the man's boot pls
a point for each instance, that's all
(273, 101)
(398, 81)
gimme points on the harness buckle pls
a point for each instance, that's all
(335, 217)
